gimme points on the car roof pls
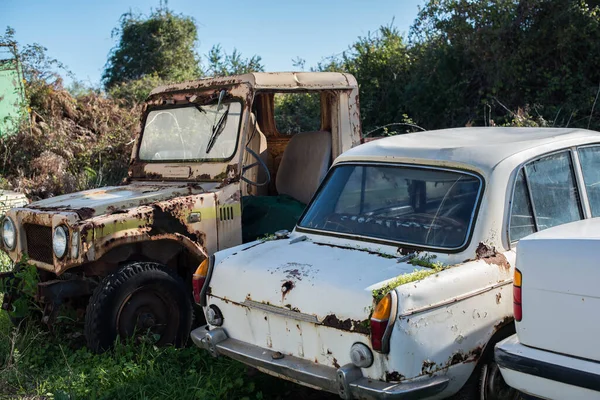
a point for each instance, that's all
(279, 81)
(481, 148)
(583, 229)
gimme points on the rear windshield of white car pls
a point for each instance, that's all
(422, 207)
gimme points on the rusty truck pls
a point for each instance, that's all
(209, 170)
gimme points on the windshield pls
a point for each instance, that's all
(184, 133)
(418, 206)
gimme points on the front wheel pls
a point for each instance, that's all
(140, 298)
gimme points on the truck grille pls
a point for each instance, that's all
(39, 243)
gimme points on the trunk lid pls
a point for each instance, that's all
(296, 277)
(306, 299)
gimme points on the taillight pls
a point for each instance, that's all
(379, 323)
(517, 302)
(199, 279)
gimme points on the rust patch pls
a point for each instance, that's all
(335, 363)
(484, 251)
(286, 288)
(85, 212)
(165, 222)
(505, 321)
(394, 376)
(475, 353)
(498, 298)
(458, 358)
(293, 273)
(491, 256)
(426, 367)
(346, 325)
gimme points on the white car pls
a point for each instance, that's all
(397, 280)
(555, 353)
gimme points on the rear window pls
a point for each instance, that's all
(423, 207)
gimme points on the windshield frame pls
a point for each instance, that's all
(396, 243)
(190, 160)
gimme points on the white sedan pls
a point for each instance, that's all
(397, 280)
(555, 353)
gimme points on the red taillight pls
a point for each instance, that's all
(379, 322)
(517, 300)
(199, 279)
(197, 283)
(377, 331)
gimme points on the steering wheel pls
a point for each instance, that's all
(258, 163)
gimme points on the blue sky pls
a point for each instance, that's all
(78, 32)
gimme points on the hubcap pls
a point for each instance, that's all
(493, 386)
(147, 310)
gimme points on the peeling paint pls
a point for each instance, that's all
(491, 256)
(347, 325)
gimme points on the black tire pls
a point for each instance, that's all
(140, 297)
(486, 383)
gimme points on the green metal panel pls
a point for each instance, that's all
(12, 92)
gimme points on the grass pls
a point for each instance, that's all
(37, 363)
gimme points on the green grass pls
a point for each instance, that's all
(36, 363)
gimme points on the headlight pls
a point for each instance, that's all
(9, 233)
(361, 355)
(60, 241)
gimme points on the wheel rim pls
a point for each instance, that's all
(147, 310)
(493, 385)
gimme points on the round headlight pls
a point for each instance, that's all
(214, 316)
(361, 355)
(60, 241)
(9, 233)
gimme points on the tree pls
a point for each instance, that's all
(161, 45)
(222, 64)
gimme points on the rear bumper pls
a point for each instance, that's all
(545, 374)
(347, 381)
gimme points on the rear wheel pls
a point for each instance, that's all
(140, 299)
(486, 381)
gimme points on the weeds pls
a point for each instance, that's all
(416, 275)
(35, 362)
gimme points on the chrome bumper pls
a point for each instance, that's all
(347, 381)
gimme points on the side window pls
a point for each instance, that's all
(554, 196)
(521, 217)
(553, 190)
(589, 158)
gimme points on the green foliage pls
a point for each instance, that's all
(417, 275)
(380, 62)
(297, 112)
(480, 61)
(35, 362)
(160, 44)
(135, 91)
(24, 285)
(484, 62)
(222, 64)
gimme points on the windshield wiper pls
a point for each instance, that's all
(217, 128)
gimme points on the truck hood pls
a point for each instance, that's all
(90, 203)
(331, 283)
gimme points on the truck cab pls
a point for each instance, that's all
(209, 170)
